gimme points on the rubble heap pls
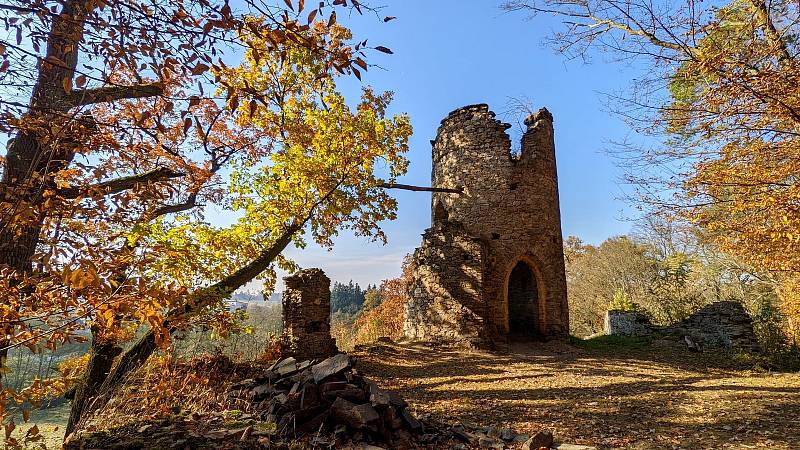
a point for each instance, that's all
(304, 398)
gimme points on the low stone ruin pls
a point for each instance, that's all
(718, 325)
(307, 316)
(627, 323)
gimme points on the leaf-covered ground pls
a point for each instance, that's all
(610, 397)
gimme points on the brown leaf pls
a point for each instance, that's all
(199, 69)
(388, 18)
(253, 105)
(32, 431)
(9, 428)
(383, 49)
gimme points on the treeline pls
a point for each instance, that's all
(381, 314)
(351, 298)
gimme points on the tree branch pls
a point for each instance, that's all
(190, 203)
(408, 187)
(773, 36)
(82, 97)
(122, 184)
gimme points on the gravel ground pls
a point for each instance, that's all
(641, 398)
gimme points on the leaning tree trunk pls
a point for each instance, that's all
(101, 358)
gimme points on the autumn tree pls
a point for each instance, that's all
(127, 125)
(385, 318)
(721, 87)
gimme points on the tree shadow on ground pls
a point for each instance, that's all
(644, 398)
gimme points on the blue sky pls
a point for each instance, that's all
(448, 54)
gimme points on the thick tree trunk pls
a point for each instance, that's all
(29, 164)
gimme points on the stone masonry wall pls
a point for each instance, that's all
(307, 315)
(510, 204)
(627, 323)
(723, 324)
(446, 287)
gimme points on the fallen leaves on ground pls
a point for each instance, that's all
(611, 398)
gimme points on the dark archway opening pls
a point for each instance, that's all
(440, 213)
(523, 302)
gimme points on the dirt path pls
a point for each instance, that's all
(608, 398)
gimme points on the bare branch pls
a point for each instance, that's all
(111, 93)
(190, 203)
(122, 184)
(408, 187)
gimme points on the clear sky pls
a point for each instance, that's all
(451, 53)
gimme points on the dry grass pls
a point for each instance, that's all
(609, 397)
(167, 387)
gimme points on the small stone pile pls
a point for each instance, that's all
(304, 398)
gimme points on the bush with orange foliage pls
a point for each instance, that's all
(386, 319)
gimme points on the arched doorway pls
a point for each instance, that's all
(523, 301)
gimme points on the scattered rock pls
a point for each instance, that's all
(412, 422)
(331, 366)
(574, 447)
(489, 442)
(693, 346)
(507, 435)
(461, 433)
(356, 416)
(521, 438)
(539, 440)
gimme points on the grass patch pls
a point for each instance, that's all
(611, 342)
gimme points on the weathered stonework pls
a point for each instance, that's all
(718, 325)
(491, 266)
(307, 316)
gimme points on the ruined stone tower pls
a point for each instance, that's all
(307, 315)
(491, 267)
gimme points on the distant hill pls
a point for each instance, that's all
(242, 299)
